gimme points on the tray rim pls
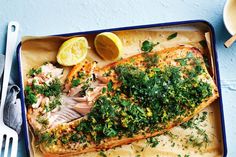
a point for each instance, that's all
(165, 24)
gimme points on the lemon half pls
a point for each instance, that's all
(108, 45)
(72, 51)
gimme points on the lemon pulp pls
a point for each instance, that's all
(72, 51)
(108, 46)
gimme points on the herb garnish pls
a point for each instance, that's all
(30, 96)
(109, 86)
(203, 43)
(51, 89)
(183, 61)
(172, 36)
(47, 137)
(64, 139)
(102, 154)
(147, 46)
(53, 104)
(194, 122)
(150, 60)
(104, 90)
(34, 72)
(201, 139)
(43, 121)
(153, 142)
(184, 155)
(75, 82)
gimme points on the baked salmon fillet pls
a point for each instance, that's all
(131, 99)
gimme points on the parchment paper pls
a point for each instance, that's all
(37, 50)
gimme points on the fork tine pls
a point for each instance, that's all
(14, 147)
(1, 141)
(6, 146)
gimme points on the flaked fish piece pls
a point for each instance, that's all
(101, 78)
(50, 69)
(75, 90)
(41, 77)
(61, 114)
(95, 90)
(67, 87)
(81, 99)
(91, 95)
(74, 107)
(95, 85)
(48, 73)
(36, 80)
(57, 72)
(69, 110)
(83, 107)
(39, 100)
(64, 115)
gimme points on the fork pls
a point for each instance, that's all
(6, 133)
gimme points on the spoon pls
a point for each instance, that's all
(230, 41)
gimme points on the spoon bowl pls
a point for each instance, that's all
(229, 16)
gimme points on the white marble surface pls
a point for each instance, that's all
(38, 17)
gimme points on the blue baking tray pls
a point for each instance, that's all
(162, 25)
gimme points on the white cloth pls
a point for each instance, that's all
(12, 110)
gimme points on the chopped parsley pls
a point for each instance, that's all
(109, 86)
(206, 61)
(183, 61)
(45, 137)
(50, 138)
(203, 43)
(104, 90)
(64, 139)
(43, 121)
(74, 138)
(147, 46)
(184, 155)
(51, 89)
(107, 73)
(153, 142)
(201, 138)
(172, 36)
(34, 72)
(102, 154)
(30, 96)
(79, 79)
(75, 82)
(150, 60)
(194, 122)
(53, 104)
(198, 140)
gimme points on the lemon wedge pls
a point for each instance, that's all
(108, 46)
(72, 51)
